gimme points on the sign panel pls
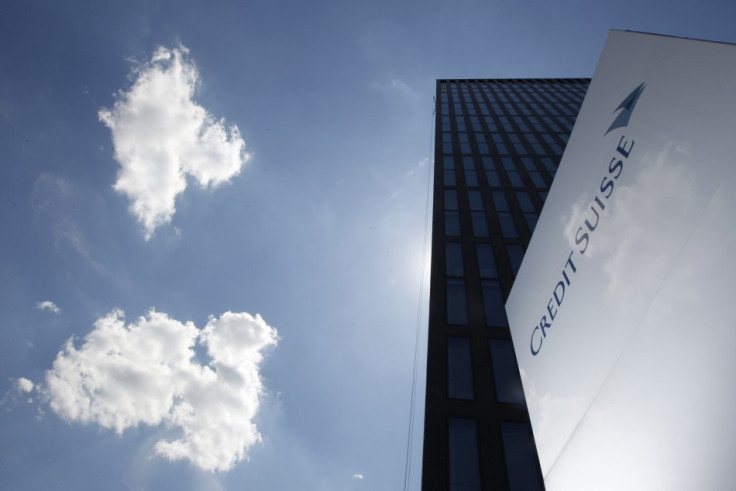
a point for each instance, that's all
(622, 312)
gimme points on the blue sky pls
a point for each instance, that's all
(317, 225)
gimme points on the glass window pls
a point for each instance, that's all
(520, 122)
(528, 164)
(448, 163)
(515, 179)
(470, 178)
(549, 165)
(521, 461)
(493, 179)
(447, 142)
(459, 369)
(493, 304)
(508, 163)
(480, 227)
(450, 178)
(452, 224)
(453, 259)
(457, 306)
(537, 179)
(516, 254)
(463, 455)
(488, 163)
(499, 201)
(468, 163)
(450, 199)
(506, 372)
(486, 262)
(475, 201)
(465, 148)
(519, 149)
(525, 202)
(508, 229)
(531, 221)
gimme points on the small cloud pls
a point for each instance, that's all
(48, 305)
(418, 166)
(358, 476)
(24, 385)
(161, 135)
(399, 84)
(146, 372)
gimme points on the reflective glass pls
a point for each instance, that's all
(452, 224)
(453, 259)
(521, 461)
(508, 229)
(493, 304)
(480, 227)
(486, 261)
(463, 455)
(457, 306)
(506, 372)
(459, 369)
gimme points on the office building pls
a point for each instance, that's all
(497, 147)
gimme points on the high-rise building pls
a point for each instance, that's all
(497, 147)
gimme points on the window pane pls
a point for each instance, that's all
(506, 372)
(493, 304)
(538, 180)
(452, 224)
(516, 254)
(499, 201)
(449, 178)
(448, 163)
(470, 178)
(450, 200)
(453, 259)
(486, 262)
(531, 220)
(463, 454)
(525, 201)
(508, 229)
(480, 227)
(515, 179)
(457, 307)
(493, 179)
(475, 201)
(459, 369)
(521, 460)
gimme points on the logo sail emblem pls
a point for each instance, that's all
(626, 107)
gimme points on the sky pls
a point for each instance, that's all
(213, 223)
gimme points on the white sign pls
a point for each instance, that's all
(623, 313)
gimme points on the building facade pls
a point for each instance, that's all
(497, 147)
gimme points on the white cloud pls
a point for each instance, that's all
(161, 135)
(146, 373)
(24, 385)
(358, 476)
(48, 305)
